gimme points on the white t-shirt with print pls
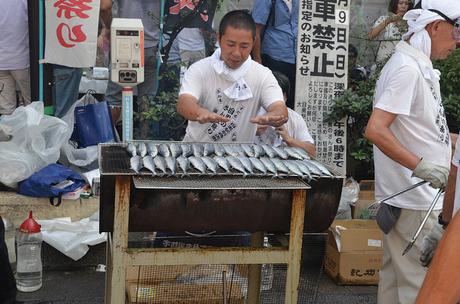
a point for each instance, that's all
(202, 82)
(296, 127)
(456, 163)
(420, 126)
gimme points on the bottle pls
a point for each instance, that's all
(266, 278)
(29, 262)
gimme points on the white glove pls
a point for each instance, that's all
(430, 243)
(434, 174)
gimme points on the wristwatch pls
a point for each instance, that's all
(442, 222)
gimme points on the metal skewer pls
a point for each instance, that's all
(417, 233)
(376, 203)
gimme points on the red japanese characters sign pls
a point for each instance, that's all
(71, 32)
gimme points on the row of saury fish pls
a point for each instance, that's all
(169, 165)
(208, 149)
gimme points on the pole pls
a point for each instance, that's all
(127, 113)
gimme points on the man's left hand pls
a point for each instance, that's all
(430, 243)
(268, 119)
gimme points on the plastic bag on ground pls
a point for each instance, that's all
(69, 153)
(72, 238)
(36, 142)
(350, 194)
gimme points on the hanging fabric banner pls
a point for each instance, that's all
(71, 32)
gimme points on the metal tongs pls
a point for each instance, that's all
(417, 233)
(373, 208)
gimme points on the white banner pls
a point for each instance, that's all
(71, 32)
(322, 73)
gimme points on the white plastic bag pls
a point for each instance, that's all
(36, 142)
(350, 194)
(69, 153)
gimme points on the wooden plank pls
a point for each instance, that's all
(120, 239)
(257, 240)
(295, 246)
(213, 256)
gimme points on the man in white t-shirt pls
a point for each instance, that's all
(411, 143)
(293, 133)
(220, 95)
(14, 54)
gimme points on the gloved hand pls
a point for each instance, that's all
(434, 174)
(430, 243)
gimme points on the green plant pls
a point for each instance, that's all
(450, 89)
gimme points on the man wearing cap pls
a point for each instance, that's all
(411, 142)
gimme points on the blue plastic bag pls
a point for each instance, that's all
(93, 124)
(52, 181)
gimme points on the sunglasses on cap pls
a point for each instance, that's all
(455, 23)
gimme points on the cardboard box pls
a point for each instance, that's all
(354, 252)
(177, 293)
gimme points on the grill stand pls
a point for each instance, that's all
(119, 256)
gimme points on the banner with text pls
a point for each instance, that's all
(71, 32)
(322, 74)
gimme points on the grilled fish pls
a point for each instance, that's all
(184, 164)
(148, 163)
(135, 163)
(248, 150)
(186, 150)
(223, 163)
(210, 163)
(198, 164)
(171, 164)
(142, 149)
(163, 150)
(236, 164)
(131, 148)
(175, 150)
(160, 163)
(281, 153)
(258, 164)
(152, 149)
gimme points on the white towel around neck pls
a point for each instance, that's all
(239, 90)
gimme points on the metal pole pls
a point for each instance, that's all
(127, 113)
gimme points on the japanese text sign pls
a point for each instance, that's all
(71, 32)
(322, 74)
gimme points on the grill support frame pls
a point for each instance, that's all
(119, 256)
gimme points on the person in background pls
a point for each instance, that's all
(14, 54)
(293, 133)
(191, 45)
(389, 28)
(148, 12)
(355, 72)
(411, 143)
(275, 44)
(441, 282)
(221, 94)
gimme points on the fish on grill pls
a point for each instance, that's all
(208, 149)
(236, 164)
(223, 163)
(280, 166)
(293, 153)
(171, 164)
(152, 149)
(321, 167)
(269, 165)
(186, 150)
(148, 163)
(293, 168)
(198, 164)
(142, 149)
(258, 151)
(246, 164)
(269, 151)
(258, 164)
(219, 150)
(175, 150)
(197, 150)
(184, 164)
(135, 163)
(210, 163)
(163, 150)
(248, 150)
(281, 153)
(160, 163)
(131, 148)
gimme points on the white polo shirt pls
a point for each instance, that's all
(420, 125)
(202, 82)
